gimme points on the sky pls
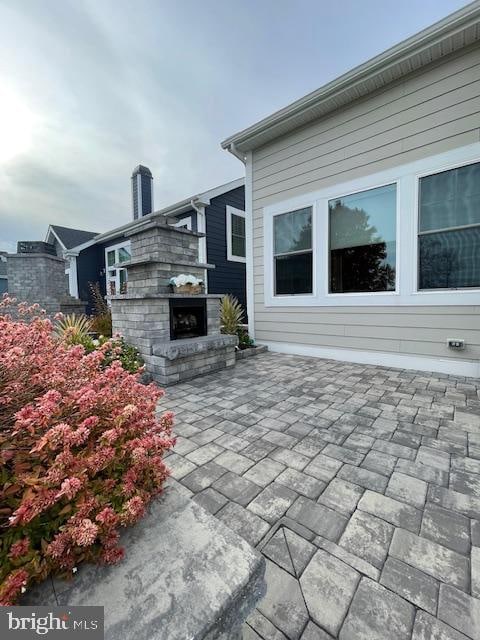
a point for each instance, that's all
(91, 88)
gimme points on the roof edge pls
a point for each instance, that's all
(397, 55)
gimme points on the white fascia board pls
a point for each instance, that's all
(51, 231)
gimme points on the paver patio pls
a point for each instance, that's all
(359, 484)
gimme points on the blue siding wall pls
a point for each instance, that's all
(227, 277)
(90, 266)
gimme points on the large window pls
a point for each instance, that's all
(293, 255)
(362, 229)
(236, 243)
(414, 240)
(116, 275)
(449, 229)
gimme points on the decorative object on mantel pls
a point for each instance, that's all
(186, 283)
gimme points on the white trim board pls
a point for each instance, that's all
(453, 367)
(406, 294)
(229, 212)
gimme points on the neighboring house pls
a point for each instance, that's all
(219, 213)
(363, 210)
(3, 272)
(64, 239)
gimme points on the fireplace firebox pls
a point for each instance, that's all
(188, 318)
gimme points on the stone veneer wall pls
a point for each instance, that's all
(40, 278)
(160, 251)
(142, 315)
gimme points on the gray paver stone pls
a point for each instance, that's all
(323, 467)
(379, 462)
(264, 472)
(446, 527)
(377, 614)
(234, 462)
(461, 502)
(343, 454)
(459, 610)
(430, 557)
(367, 537)
(203, 477)
(244, 522)
(273, 502)
(423, 471)
(284, 602)
(211, 500)
(237, 488)
(301, 483)
(362, 566)
(407, 489)
(328, 585)
(312, 632)
(318, 518)
(429, 628)
(393, 511)
(410, 583)
(363, 477)
(342, 496)
(264, 627)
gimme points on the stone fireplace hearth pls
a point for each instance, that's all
(178, 335)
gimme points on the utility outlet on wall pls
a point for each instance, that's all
(456, 343)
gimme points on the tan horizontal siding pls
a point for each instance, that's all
(417, 88)
(430, 112)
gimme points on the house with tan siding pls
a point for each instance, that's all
(363, 210)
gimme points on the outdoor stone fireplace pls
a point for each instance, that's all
(188, 318)
(178, 335)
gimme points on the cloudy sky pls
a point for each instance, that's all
(91, 88)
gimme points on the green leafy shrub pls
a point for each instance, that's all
(244, 340)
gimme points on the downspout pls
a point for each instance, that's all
(199, 207)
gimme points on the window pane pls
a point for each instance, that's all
(450, 259)
(238, 246)
(238, 225)
(293, 231)
(123, 280)
(363, 241)
(450, 198)
(293, 274)
(123, 254)
(110, 258)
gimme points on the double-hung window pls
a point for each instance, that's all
(292, 252)
(116, 275)
(362, 230)
(449, 229)
(236, 241)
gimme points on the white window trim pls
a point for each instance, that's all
(184, 223)
(406, 178)
(108, 279)
(229, 211)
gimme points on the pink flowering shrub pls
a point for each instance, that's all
(80, 452)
